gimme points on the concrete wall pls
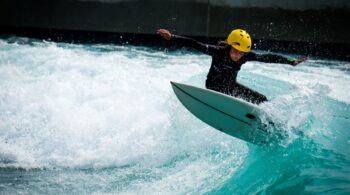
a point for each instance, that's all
(285, 4)
(322, 21)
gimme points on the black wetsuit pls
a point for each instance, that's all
(223, 72)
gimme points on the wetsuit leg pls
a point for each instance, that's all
(221, 89)
(239, 90)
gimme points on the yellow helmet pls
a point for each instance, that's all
(240, 40)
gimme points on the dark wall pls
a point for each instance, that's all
(191, 17)
(300, 21)
(108, 16)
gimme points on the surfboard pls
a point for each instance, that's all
(225, 113)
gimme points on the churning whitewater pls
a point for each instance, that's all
(97, 118)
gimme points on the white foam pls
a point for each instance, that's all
(76, 106)
(325, 80)
(304, 107)
(98, 106)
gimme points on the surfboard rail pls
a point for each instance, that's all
(225, 113)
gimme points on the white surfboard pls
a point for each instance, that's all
(228, 114)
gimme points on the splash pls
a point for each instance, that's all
(105, 116)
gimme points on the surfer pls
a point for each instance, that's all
(227, 58)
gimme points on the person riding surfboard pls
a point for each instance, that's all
(227, 59)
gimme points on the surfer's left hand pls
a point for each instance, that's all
(300, 60)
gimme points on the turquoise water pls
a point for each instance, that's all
(102, 119)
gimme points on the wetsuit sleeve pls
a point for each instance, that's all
(188, 42)
(269, 58)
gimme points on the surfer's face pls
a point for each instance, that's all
(235, 55)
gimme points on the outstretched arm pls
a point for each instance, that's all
(188, 42)
(273, 58)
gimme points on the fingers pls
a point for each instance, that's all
(298, 61)
(160, 31)
(303, 59)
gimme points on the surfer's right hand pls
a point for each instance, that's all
(300, 60)
(164, 33)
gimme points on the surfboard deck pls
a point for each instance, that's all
(225, 113)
